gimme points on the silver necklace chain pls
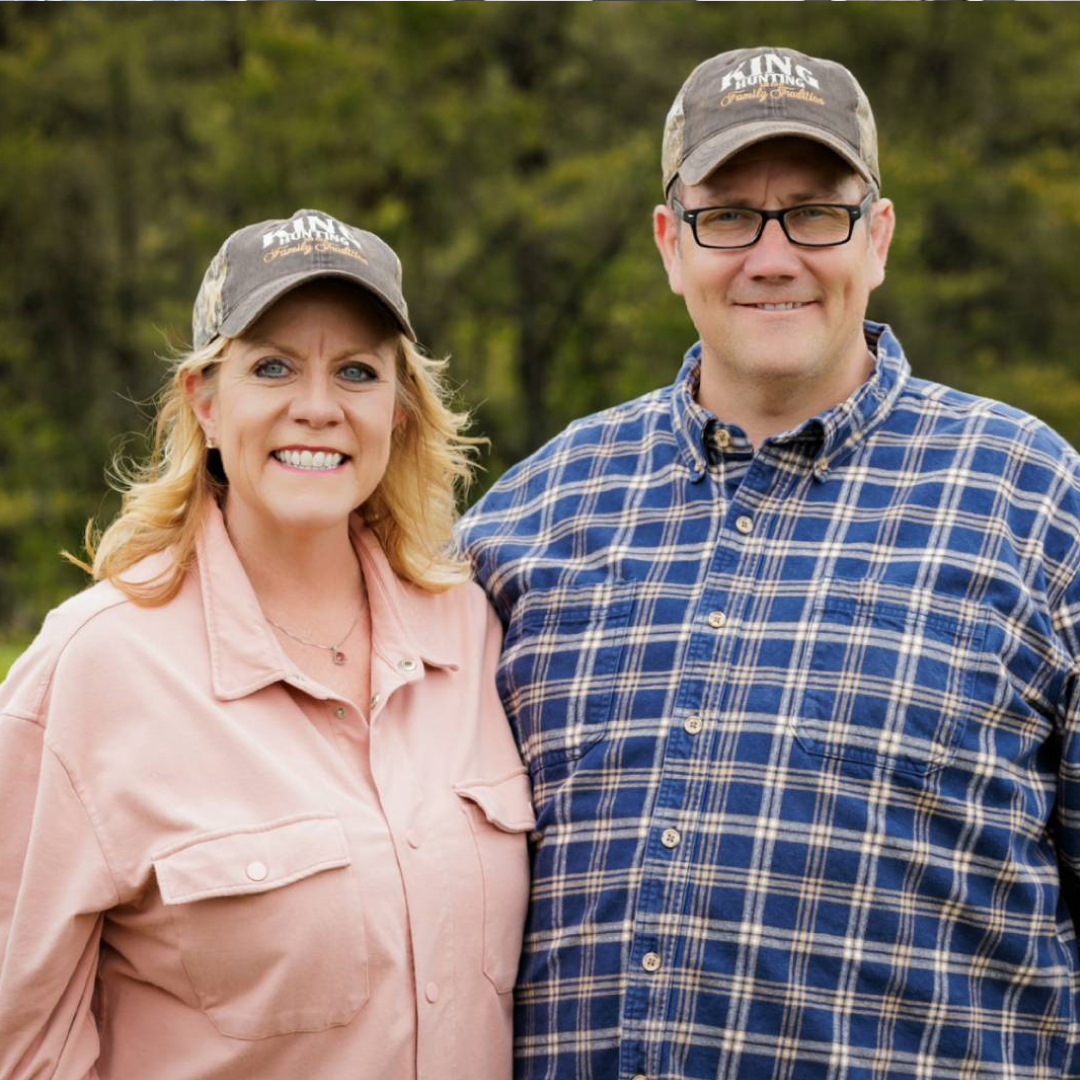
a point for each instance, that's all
(334, 649)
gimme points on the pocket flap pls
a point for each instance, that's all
(251, 860)
(506, 803)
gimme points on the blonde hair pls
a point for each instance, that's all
(412, 511)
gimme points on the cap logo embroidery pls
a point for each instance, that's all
(770, 69)
(308, 234)
(759, 93)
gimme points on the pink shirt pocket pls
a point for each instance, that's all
(269, 925)
(500, 813)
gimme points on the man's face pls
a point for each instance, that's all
(776, 312)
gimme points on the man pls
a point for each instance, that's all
(791, 652)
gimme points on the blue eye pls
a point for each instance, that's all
(357, 373)
(271, 368)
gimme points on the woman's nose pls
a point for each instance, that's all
(315, 403)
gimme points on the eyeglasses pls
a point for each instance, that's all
(808, 225)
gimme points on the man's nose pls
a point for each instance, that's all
(774, 255)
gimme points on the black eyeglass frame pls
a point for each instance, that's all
(765, 216)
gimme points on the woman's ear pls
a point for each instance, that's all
(200, 395)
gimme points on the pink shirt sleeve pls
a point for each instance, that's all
(54, 882)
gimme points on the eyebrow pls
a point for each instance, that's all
(725, 197)
(285, 350)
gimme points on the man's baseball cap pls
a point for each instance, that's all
(746, 96)
(260, 263)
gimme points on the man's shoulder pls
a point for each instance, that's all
(591, 456)
(988, 422)
(592, 439)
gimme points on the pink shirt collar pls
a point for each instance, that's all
(246, 655)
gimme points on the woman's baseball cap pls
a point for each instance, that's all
(258, 264)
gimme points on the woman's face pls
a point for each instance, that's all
(302, 409)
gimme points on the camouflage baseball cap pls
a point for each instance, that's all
(746, 96)
(258, 264)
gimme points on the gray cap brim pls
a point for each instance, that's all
(248, 311)
(712, 153)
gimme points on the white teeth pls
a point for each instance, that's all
(305, 459)
(778, 307)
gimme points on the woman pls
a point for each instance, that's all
(263, 815)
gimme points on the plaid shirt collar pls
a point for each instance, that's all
(822, 438)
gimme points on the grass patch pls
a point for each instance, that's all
(8, 655)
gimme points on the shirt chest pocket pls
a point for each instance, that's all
(269, 926)
(887, 685)
(561, 665)
(500, 816)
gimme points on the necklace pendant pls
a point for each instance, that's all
(339, 657)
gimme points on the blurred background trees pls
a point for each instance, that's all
(510, 152)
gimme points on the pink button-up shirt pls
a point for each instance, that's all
(211, 867)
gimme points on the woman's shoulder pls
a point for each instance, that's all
(91, 637)
(30, 677)
(465, 600)
(455, 625)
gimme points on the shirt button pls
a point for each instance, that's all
(692, 725)
(339, 712)
(256, 871)
(723, 438)
(651, 961)
(744, 524)
(717, 619)
(431, 992)
(375, 700)
(408, 664)
(412, 837)
(670, 838)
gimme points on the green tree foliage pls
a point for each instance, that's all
(511, 154)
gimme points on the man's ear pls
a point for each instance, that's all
(882, 226)
(666, 235)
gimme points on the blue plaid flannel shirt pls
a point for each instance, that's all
(802, 727)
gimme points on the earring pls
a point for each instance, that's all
(210, 444)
